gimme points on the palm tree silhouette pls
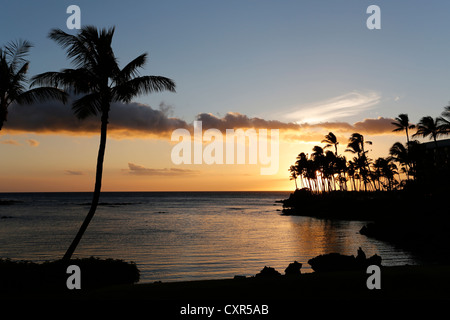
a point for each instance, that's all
(445, 120)
(342, 170)
(386, 169)
(98, 77)
(301, 168)
(331, 140)
(400, 154)
(13, 69)
(318, 158)
(433, 128)
(294, 175)
(352, 172)
(329, 169)
(402, 124)
(356, 145)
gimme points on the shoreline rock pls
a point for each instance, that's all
(293, 269)
(338, 262)
(268, 272)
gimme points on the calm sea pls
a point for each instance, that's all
(175, 236)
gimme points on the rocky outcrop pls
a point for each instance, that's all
(293, 269)
(339, 262)
(268, 272)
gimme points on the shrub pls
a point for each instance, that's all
(95, 272)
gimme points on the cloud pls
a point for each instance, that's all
(138, 120)
(32, 142)
(135, 169)
(74, 173)
(234, 120)
(342, 106)
(10, 142)
(376, 126)
(308, 131)
(372, 126)
(125, 120)
(342, 130)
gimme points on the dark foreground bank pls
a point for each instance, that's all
(406, 282)
(430, 282)
(416, 221)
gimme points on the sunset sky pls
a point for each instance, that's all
(303, 67)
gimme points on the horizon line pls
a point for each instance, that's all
(210, 191)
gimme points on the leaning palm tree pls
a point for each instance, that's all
(300, 167)
(293, 175)
(100, 81)
(13, 89)
(357, 139)
(402, 124)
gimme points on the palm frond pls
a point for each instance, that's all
(23, 70)
(130, 70)
(426, 127)
(443, 125)
(97, 73)
(16, 52)
(88, 105)
(350, 150)
(141, 85)
(399, 127)
(402, 123)
(330, 139)
(13, 69)
(76, 80)
(79, 49)
(42, 94)
(446, 112)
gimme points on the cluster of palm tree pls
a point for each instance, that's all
(96, 81)
(324, 170)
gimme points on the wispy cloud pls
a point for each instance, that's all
(10, 142)
(136, 169)
(74, 173)
(32, 142)
(315, 132)
(342, 106)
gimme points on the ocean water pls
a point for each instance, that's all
(174, 236)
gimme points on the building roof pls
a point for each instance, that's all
(441, 143)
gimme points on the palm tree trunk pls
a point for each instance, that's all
(3, 114)
(98, 184)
